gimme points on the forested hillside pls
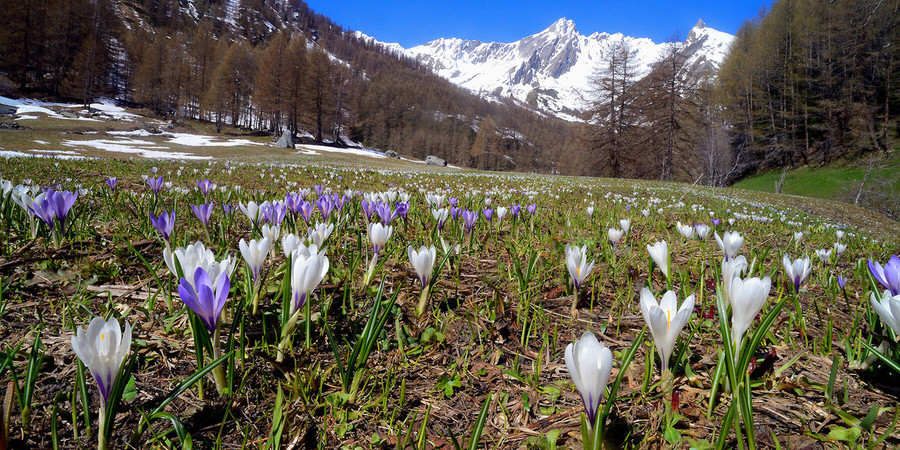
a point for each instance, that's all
(261, 64)
(813, 81)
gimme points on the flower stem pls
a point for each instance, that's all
(102, 443)
(371, 270)
(423, 300)
(286, 335)
(218, 372)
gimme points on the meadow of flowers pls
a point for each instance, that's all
(212, 305)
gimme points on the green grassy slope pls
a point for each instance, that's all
(833, 182)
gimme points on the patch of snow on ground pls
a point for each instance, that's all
(190, 140)
(141, 132)
(108, 107)
(145, 149)
(41, 142)
(58, 152)
(58, 155)
(25, 109)
(199, 140)
(13, 154)
(348, 151)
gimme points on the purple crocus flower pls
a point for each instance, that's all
(205, 186)
(339, 201)
(627, 208)
(111, 182)
(319, 188)
(889, 275)
(515, 209)
(488, 213)
(402, 209)
(453, 201)
(384, 212)
(716, 222)
(274, 213)
(40, 207)
(203, 212)
(228, 209)
(368, 209)
(326, 206)
(61, 202)
(156, 184)
(207, 300)
(292, 202)
(531, 208)
(841, 281)
(469, 217)
(306, 210)
(454, 212)
(164, 223)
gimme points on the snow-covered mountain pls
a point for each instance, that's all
(552, 70)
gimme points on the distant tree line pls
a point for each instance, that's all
(806, 83)
(811, 81)
(268, 65)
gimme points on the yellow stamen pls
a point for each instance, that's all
(102, 336)
(668, 318)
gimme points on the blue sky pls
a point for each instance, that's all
(414, 23)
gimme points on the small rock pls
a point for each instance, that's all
(286, 140)
(435, 161)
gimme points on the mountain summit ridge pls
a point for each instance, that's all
(552, 69)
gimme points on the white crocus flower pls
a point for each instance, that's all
(577, 263)
(320, 233)
(440, 215)
(747, 299)
(272, 233)
(665, 320)
(590, 364)
(730, 243)
(308, 269)
(731, 268)
(590, 211)
(501, 212)
(888, 308)
(839, 234)
(254, 254)
(289, 243)
(798, 236)
(645, 212)
(6, 187)
(614, 235)
(626, 225)
(102, 348)
(702, 231)
(197, 255)
(660, 254)
(379, 235)
(685, 230)
(824, 255)
(252, 211)
(423, 262)
(838, 250)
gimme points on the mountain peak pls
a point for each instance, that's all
(562, 26)
(700, 25)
